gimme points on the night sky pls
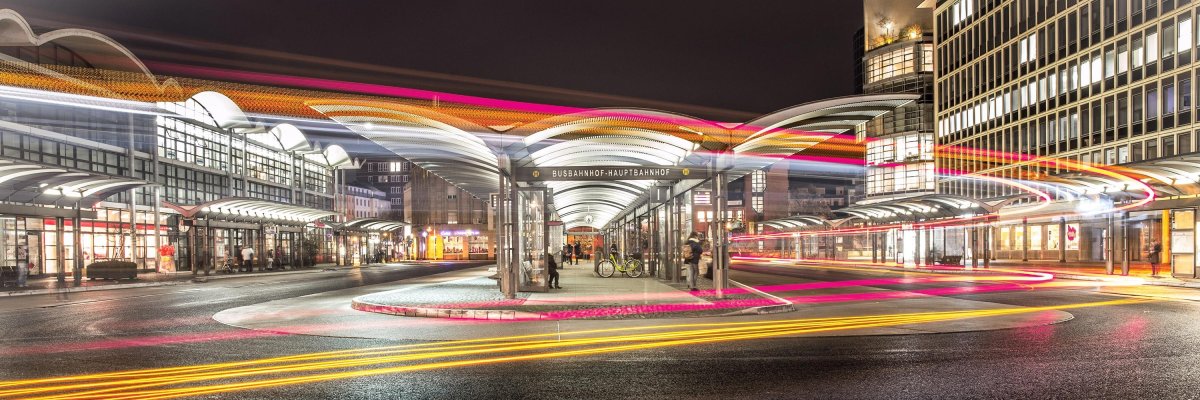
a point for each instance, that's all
(725, 60)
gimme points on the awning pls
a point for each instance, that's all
(372, 225)
(252, 210)
(28, 183)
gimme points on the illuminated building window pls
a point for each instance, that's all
(758, 186)
(962, 10)
(891, 64)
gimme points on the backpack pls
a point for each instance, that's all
(686, 251)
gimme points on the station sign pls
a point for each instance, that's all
(609, 173)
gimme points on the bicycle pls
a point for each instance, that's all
(631, 267)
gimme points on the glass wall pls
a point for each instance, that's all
(531, 240)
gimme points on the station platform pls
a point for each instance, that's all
(331, 313)
(584, 295)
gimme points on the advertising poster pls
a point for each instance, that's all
(1073, 236)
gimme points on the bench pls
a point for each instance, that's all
(8, 275)
(950, 260)
(112, 270)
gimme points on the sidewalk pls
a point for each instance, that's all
(584, 296)
(50, 284)
(1095, 271)
(1085, 271)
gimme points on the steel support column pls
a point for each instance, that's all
(506, 212)
(1125, 243)
(671, 250)
(974, 247)
(987, 246)
(1062, 240)
(1024, 239)
(60, 249)
(720, 236)
(77, 222)
(1110, 254)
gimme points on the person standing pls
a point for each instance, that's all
(567, 252)
(577, 253)
(691, 257)
(248, 258)
(237, 258)
(1154, 255)
(552, 267)
(23, 273)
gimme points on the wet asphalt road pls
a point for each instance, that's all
(1136, 351)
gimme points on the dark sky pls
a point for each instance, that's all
(744, 57)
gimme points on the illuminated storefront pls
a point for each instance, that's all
(453, 242)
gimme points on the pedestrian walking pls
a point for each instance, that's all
(691, 257)
(578, 253)
(248, 258)
(1154, 255)
(567, 253)
(552, 267)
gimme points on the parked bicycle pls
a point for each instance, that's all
(631, 267)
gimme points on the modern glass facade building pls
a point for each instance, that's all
(1106, 82)
(1103, 82)
(91, 175)
(898, 58)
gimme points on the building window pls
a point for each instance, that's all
(962, 10)
(758, 181)
(1027, 49)
(890, 64)
(926, 58)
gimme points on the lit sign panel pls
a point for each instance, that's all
(608, 173)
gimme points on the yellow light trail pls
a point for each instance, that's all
(324, 366)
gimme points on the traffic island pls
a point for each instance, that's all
(584, 296)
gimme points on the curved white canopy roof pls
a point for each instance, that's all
(100, 51)
(455, 149)
(444, 145)
(240, 208)
(26, 182)
(223, 110)
(797, 223)
(926, 207)
(374, 225)
(334, 156)
(290, 138)
(789, 131)
(625, 137)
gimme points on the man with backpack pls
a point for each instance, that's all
(691, 257)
